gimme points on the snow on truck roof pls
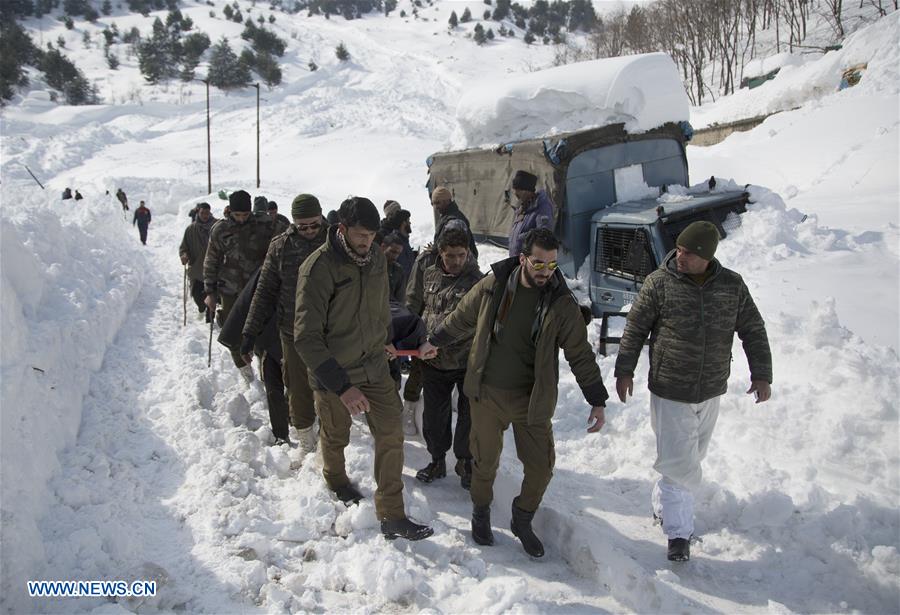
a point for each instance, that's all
(642, 91)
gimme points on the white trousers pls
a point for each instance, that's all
(682, 439)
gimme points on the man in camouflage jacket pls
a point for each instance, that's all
(444, 285)
(193, 250)
(276, 294)
(691, 307)
(237, 248)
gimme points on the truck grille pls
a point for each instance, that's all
(624, 252)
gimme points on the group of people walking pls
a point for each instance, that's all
(331, 305)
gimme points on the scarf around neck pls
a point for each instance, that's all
(360, 261)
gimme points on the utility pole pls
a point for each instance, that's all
(256, 85)
(208, 142)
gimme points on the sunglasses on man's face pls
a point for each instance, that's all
(539, 266)
(309, 227)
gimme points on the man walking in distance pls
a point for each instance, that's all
(535, 210)
(142, 218)
(445, 283)
(691, 307)
(341, 331)
(522, 314)
(193, 251)
(276, 293)
(237, 247)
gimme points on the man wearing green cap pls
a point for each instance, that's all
(276, 294)
(691, 307)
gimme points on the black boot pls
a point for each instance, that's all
(481, 525)
(434, 470)
(521, 529)
(679, 550)
(464, 471)
(348, 494)
(404, 528)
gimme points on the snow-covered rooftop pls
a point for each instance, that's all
(641, 91)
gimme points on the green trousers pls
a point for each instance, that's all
(387, 430)
(300, 396)
(492, 413)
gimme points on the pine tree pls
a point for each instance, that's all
(156, 56)
(225, 70)
(466, 16)
(341, 52)
(529, 38)
(478, 35)
(490, 34)
(106, 9)
(486, 15)
(454, 20)
(268, 69)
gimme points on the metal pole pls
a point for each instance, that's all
(257, 134)
(208, 141)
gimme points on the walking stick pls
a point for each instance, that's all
(209, 314)
(184, 296)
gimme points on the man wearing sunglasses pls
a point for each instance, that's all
(522, 313)
(276, 294)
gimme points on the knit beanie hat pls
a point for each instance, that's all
(239, 201)
(272, 206)
(260, 204)
(390, 208)
(204, 206)
(305, 206)
(523, 180)
(701, 238)
(441, 194)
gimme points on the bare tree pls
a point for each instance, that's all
(834, 15)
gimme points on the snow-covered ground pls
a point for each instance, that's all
(124, 457)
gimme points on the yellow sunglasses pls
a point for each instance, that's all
(540, 266)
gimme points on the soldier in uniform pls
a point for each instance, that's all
(237, 248)
(342, 332)
(276, 294)
(193, 251)
(445, 284)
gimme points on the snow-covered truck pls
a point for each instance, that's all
(620, 189)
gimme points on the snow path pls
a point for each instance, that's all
(169, 481)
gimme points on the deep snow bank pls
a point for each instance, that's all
(642, 91)
(70, 272)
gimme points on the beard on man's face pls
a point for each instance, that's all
(534, 280)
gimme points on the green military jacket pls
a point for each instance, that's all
(563, 327)
(342, 319)
(415, 286)
(193, 245)
(691, 330)
(442, 293)
(276, 291)
(234, 253)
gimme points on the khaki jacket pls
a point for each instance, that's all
(234, 253)
(193, 245)
(442, 293)
(563, 327)
(342, 317)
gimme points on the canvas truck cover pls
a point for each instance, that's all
(481, 179)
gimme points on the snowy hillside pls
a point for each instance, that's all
(124, 457)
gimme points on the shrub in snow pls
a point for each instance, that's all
(454, 20)
(341, 52)
(466, 16)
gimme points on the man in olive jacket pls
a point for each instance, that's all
(237, 248)
(445, 284)
(342, 332)
(276, 292)
(522, 313)
(193, 250)
(691, 307)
